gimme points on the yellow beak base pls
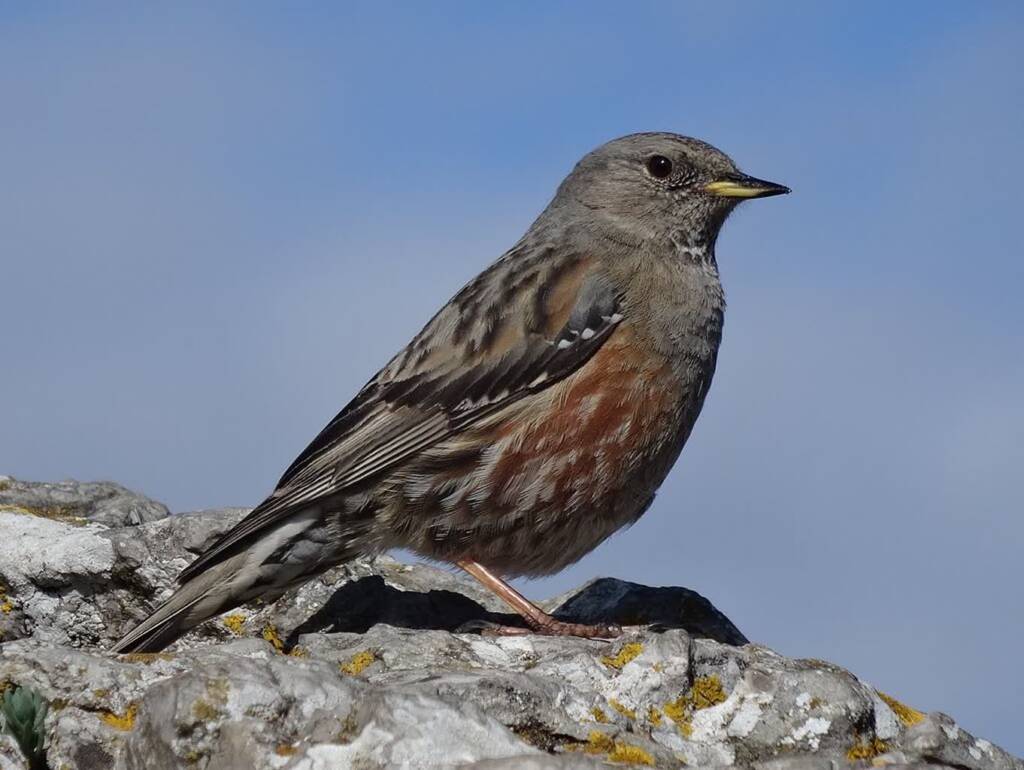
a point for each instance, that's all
(744, 187)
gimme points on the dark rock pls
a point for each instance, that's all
(630, 604)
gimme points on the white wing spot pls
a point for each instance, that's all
(539, 379)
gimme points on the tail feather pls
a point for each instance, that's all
(267, 566)
(203, 597)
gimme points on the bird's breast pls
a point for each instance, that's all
(550, 477)
(599, 442)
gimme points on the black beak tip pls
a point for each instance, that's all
(743, 186)
(765, 189)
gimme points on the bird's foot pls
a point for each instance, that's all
(537, 621)
(549, 626)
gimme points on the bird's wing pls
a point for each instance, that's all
(520, 327)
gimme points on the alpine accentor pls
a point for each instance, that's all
(534, 415)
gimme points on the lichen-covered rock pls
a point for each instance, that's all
(373, 665)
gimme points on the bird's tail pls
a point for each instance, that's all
(265, 565)
(210, 593)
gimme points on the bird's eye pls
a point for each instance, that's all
(659, 166)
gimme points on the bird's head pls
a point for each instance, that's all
(660, 185)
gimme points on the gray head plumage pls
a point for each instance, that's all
(658, 185)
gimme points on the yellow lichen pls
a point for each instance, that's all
(298, 652)
(271, 635)
(705, 692)
(599, 715)
(6, 606)
(61, 513)
(627, 653)
(600, 743)
(285, 749)
(234, 622)
(866, 749)
(123, 722)
(101, 692)
(907, 715)
(626, 712)
(358, 663)
(679, 712)
(634, 755)
(146, 657)
(654, 716)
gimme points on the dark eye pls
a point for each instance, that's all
(659, 166)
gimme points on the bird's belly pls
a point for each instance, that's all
(540, 487)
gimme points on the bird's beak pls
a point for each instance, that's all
(743, 186)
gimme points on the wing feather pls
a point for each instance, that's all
(447, 379)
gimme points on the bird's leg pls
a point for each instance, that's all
(539, 622)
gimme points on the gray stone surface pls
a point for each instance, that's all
(371, 666)
(102, 501)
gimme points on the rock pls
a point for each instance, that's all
(103, 502)
(637, 605)
(69, 580)
(371, 666)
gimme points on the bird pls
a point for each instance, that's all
(535, 415)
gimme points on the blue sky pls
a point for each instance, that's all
(220, 221)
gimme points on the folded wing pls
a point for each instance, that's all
(520, 327)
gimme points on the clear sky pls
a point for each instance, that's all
(218, 222)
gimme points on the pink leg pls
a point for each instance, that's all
(539, 622)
